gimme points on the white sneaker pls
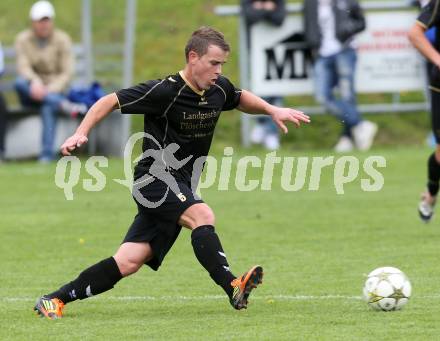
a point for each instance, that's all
(344, 145)
(257, 134)
(426, 207)
(272, 142)
(363, 134)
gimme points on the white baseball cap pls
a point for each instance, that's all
(41, 9)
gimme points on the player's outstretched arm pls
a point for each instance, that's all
(417, 37)
(252, 104)
(96, 113)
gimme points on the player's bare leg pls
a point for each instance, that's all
(209, 252)
(131, 256)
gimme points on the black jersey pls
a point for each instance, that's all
(175, 112)
(429, 15)
(428, 18)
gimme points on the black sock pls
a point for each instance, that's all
(94, 280)
(433, 175)
(210, 254)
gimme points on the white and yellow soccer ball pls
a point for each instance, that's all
(387, 289)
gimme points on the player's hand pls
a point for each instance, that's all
(281, 115)
(73, 142)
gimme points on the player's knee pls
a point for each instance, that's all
(131, 256)
(128, 264)
(205, 217)
(128, 267)
(197, 215)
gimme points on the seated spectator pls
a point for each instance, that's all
(45, 65)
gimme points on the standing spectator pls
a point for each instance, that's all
(330, 26)
(3, 111)
(430, 18)
(272, 11)
(45, 68)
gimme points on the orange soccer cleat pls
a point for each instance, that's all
(243, 286)
(52, 308)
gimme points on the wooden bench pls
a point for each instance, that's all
(24, 127)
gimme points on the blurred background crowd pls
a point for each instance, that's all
(43, 83)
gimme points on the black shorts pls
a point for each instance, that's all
(159, 225)
(435, 114)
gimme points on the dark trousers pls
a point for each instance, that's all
(3, 112)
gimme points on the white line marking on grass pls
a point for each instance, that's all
(218, 297)
(311, 297)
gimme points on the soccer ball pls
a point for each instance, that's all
(387, 289)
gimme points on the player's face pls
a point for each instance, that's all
(43, 28)
(207, 68)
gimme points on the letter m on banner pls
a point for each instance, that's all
(288, 58)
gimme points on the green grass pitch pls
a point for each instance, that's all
(315, 247)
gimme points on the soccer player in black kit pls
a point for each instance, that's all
(428, 18)
(180, 113)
